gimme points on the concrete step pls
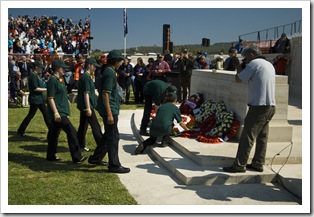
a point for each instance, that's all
(222, 154)
(199, 164)
(195, 163)
(190, 173)
(280, 131)
(201, 167)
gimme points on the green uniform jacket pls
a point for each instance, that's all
(156, 89)
(162, 124)
(35, 97)
(86, 84)
(108, 84)
(57, 90)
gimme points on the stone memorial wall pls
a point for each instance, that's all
(220, 85)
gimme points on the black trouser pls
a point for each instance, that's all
(127, 90)
(138, 95)
(185, 85)
(109, 143)
(32, 111)
(152, 139)
(256, 128)
(146, 112)
(53, 135)
(84, 121)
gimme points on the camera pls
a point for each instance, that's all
(243, 64)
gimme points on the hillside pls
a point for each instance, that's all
(213, 49)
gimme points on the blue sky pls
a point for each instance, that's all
(188, 25)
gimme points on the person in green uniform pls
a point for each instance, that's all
(162, 124)
(108, 106)
(86, 103)
(154, 92)
(36, 98)
(59, 110)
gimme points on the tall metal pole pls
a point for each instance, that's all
(125, 29)
(124, 46)
(89, 35)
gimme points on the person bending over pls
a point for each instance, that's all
(162, 124)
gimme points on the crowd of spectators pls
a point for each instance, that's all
(43, 38)
(46, 35)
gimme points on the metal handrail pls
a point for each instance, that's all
(295, 29)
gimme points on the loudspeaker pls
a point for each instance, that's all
(166, 38)
(171, 46)
(205, 42)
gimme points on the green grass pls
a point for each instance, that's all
(131, 106)
(35, 181)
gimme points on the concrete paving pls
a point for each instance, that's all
(150, 183)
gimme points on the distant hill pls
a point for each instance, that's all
(213, 49)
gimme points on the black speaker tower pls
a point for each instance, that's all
(166, 44)
(205, 42)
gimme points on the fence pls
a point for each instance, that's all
(49, 57)
(266, 38)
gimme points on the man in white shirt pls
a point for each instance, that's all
(260, 75)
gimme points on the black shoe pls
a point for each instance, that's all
(139, 149)
(54, 159)
(120, 169)
(144, 133)
(20, 133)
(233, 170)
(249, 166)
(164, 144)
(98, 163)
(80, 161)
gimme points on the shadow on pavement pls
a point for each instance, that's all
(262, 192)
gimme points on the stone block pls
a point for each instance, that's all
(221, 85)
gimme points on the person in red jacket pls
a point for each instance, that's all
(78, 69)
(280, 63)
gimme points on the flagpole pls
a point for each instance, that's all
(125, 29)
(124, 45)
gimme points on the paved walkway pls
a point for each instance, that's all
(151, 184)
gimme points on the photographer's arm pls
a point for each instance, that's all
(239, 69)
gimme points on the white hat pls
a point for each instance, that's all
(219, 57)
(129, 58)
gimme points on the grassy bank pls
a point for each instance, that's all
(35, 181)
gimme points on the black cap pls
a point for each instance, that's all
(115, 54)
(172, 95)
(232, 50)
(39, 64)
(57, 63)
(172, 89)
(92, 61)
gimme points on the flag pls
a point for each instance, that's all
(125, 20)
